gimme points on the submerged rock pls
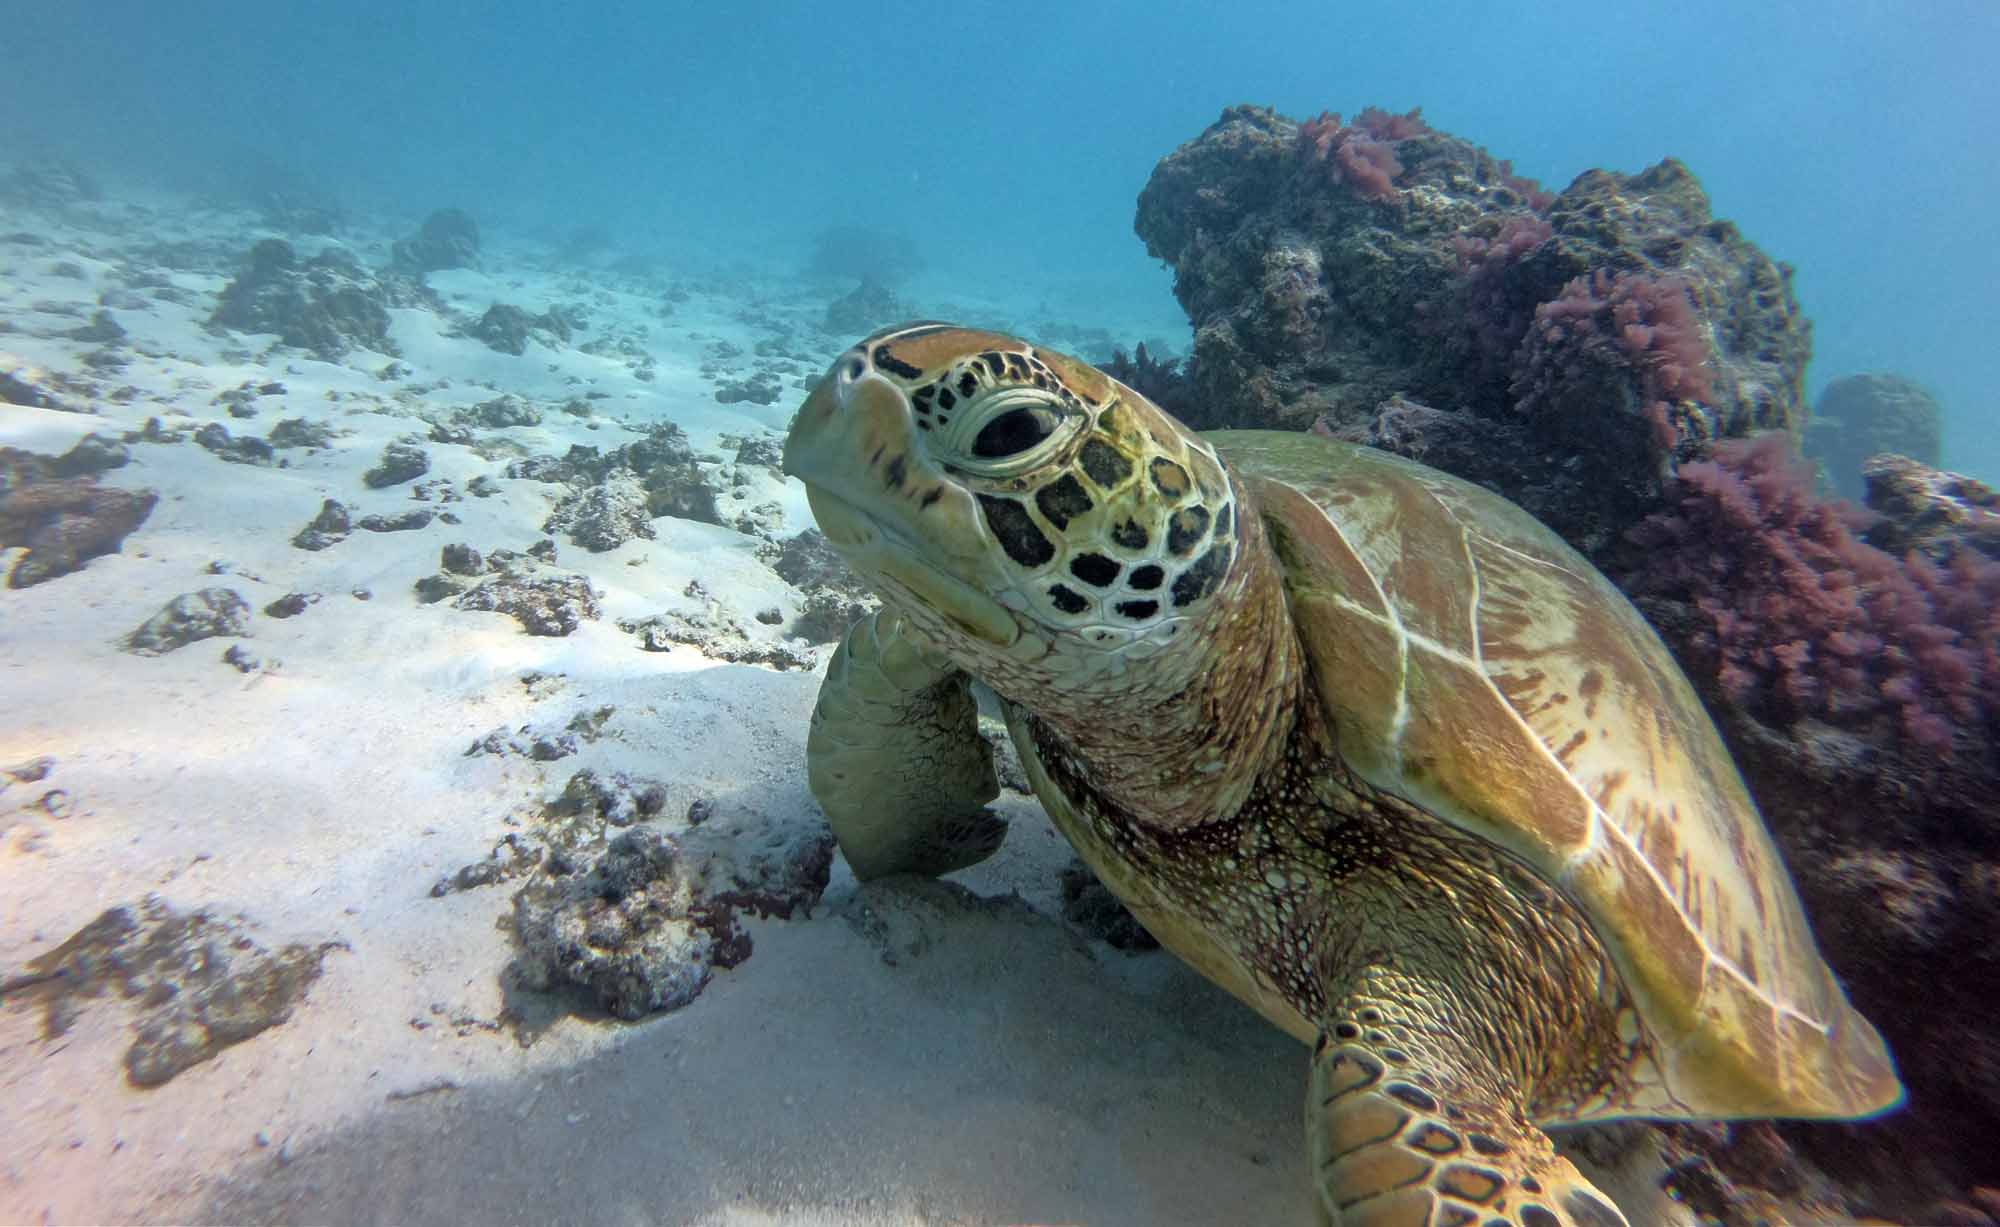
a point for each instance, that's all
(1863, 416)
(201, 983)
(329, 527)
(327, 305)
(449, 238)
(543, 600)
(400, 462)
(188, 618)
(54, 508)
(1615, 325)
(1928, 510)
(642, 924)
(604, 516)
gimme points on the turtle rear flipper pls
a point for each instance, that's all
(1399, 1139)
(896, 759)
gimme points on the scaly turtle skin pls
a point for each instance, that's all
(1366, 745)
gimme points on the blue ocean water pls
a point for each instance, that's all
(1853, 140)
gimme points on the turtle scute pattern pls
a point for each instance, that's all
(1491, 674)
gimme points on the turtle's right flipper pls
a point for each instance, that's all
(896, 759)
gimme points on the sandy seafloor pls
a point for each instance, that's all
(1004, 1068)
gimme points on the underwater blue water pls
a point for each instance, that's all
(1853, 140)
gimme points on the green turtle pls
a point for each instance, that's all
(1368, 746)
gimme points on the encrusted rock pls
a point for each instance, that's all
(63, 521)
(642, 925)
(508, 329)
(329, 527)
(291, 605)
(400, 462)
(415, 518)
(23, 383)
(299, 432)
(328, 304)
(501, 412)
(864, 309)
(249, 449)
(449, 239)
(190, 617)
(826, 614)
(461, 559)
(664, 463)
(543, 600)
(201, 983)
(604, 516)
(1617, 324)
(1927, 510)
(1863, 416)
(713, 632)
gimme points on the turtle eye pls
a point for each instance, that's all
(1014, 432)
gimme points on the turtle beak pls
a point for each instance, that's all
(886, 506)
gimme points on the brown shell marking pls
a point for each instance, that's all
(1478, 666)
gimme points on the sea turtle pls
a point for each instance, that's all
(1367, 745)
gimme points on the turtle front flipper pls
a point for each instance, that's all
(896, 760)
(1400, 1139)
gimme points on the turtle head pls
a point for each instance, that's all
(1012, 502)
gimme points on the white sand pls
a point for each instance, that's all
(1003, 1070)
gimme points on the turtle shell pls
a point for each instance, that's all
(1477, 666)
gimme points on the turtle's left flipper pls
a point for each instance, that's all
(896, 759)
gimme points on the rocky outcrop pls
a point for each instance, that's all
(1863, 416)
(1617, 324)
(327, 305)
(53, 506)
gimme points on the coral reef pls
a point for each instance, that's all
(1859, 691)
(1327, 268)
(1934, 513)
(1863, 416)
(1631, 370)
(1805, 619)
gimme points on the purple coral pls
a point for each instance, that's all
(1488, 308)
(1363, 155)
(1645, 322)
(1798, 617)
